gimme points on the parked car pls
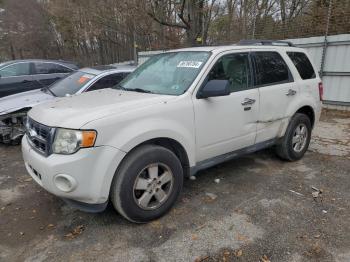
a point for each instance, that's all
(23, 75)
(180, 112)
(13, 109)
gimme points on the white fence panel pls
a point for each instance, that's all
(336, 69)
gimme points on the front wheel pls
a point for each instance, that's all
(147, 184)
(296, 139)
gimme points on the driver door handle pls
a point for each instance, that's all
(291, 92)
(248, 101)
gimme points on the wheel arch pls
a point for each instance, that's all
(309, 112)
(173, 145)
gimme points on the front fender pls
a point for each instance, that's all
(125, 137)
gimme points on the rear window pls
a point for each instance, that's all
(302, 64)
(271, 69)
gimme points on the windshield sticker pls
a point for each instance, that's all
(84, 79)
(192, 64)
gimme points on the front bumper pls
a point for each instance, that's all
(90, 170)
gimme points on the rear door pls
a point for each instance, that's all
(277, 90)
(309, 81)
(16, 78)
(46, 73)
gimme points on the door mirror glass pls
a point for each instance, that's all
(215, 88)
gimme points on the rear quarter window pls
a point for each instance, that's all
(302, 64)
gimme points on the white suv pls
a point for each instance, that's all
(178, 113)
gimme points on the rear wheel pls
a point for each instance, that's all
(296, 140)
(147, 184)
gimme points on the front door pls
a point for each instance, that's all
(228, 123)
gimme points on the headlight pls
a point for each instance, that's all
(69, 141)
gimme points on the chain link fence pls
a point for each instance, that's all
(316, 18)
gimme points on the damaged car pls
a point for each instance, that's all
(13, 109)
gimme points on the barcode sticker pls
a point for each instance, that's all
(192, 64)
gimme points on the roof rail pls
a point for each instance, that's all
(265, 42)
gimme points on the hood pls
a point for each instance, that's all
(77, 110)
(19, 101)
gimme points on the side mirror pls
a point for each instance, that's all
(215, 88)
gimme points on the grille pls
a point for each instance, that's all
(39, 136)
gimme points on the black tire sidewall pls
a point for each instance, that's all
(128, 174)
(297, 120)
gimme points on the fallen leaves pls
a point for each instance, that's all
(24, 179)
(156, 224)
(194, 237)
(242, 238)
(210, 197)
(75, 232)
(264, 258)
(201, 259)
(317, 193)
(50, 226)
(314, 250)
(226, 253)
(238, 253)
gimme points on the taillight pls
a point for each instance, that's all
(320, 90)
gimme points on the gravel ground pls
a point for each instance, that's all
(262, 209)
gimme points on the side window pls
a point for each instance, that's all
(43, 68)
(50, 68)
(302, 64)
(106, 82)
(234, 68)
(271, 69)
(18, 69)
(62, 69)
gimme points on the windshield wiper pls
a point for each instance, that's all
(120, 87)
(48, 89)
(140, 90)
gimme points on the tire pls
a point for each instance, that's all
(287, 149)
(139, 167)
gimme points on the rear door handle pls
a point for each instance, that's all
(291, 92)
(248, 101)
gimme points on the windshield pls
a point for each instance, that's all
(70, 84)
(168, 73)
